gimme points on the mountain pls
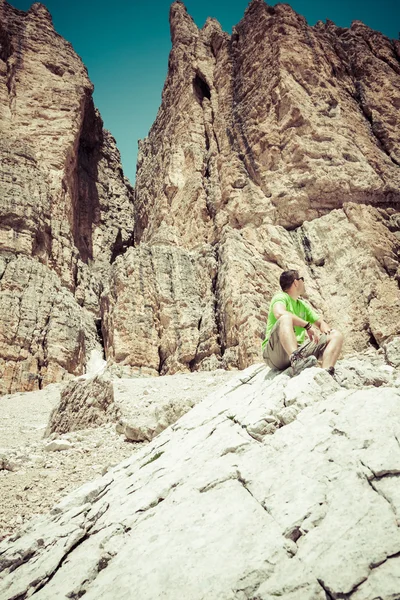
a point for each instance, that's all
(66, 208)
(276, 147)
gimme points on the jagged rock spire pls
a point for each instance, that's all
(183, 28)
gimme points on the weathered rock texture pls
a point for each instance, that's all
(270, 487)
(34, 472)
(65, 210)
(44, 332)
(277, 147)
(139, 407)
(159, 315)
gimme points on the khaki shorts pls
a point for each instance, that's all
(276, 357)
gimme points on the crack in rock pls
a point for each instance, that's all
(234, 449)
(218, 482)
(75, 539)
(151, 505)
(327, 592)
(370, 483)
(87, 532)
(244, 483)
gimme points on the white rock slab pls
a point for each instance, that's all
(207, 510)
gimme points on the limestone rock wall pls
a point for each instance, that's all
(66, 209)
(277, 123)
(278, 147)
(62, 164)
(159, 315)
(44, 333)
(352, 260)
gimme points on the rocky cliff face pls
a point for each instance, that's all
(65, 209)
(277, 147)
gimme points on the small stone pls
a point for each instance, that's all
(392, 351)
(8, 464)
(58, 446)
(290, 547)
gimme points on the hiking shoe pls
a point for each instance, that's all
(331, 371)
(299, 363)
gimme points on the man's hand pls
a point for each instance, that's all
(324, 328)
(313, 335)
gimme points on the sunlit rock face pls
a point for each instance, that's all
(277, 147)
(279, 123)
(270, 487)
(65, 207)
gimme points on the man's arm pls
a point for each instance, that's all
(279, 309)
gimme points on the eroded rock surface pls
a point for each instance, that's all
(159, 315)
(272, 486)
(54, 440)
(276, 124)
(274, 148)
(36, 472)
(44, 335)
(139, 407)
(200, 309)
(66, 210)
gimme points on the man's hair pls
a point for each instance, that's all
(287, 278)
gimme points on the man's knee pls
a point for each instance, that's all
(337, 336)
(286, 318)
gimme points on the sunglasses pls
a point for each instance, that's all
(299, 278)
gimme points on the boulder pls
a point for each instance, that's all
(140, 407)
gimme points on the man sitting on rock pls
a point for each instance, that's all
(289, 319)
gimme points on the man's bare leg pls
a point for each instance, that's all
(333, 349)
(286, 334)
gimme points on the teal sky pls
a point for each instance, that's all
(125, 45)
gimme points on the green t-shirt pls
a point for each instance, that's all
(297, 307)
